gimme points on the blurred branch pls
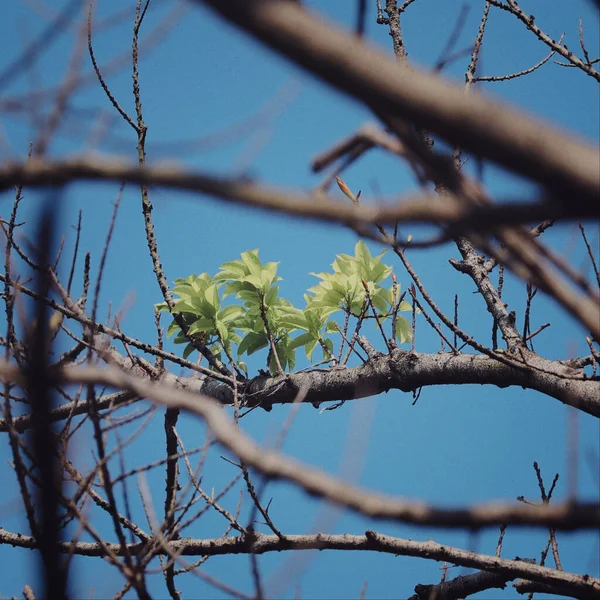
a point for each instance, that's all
(38, 383)
(562, 164)
(424, 208)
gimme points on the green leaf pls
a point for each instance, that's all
(199, 305)
(251, 343)
(233, 287)
(180, 339)
(258, 325)
(270, 269)
(370, 287)
(380, 302)
(271, 296)
(234, 338)
(187, 306)
(285, 304)
(313, 321)
(323, 311)
(340, 285)
(293, 319)
(362, 253)
(254, 281)
(355, 285)
(252, 261)
(223, 331)
(229, 313)
(198, 301)
(404, 330)
(323, 276)
(183, 290)
(332, 327)
(379, 272)
(202, 325)
(173, 327)
(347, 267)
(201, 283)
(280, 348)
(290, 354)
(302, 340)
(212, 297)
(356, 307)
(249, 296)
(309, 348)
(188, 350)
(328, 298)
(235, 269)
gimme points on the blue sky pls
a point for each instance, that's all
(457, 444)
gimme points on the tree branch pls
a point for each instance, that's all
(402, 370)
(415, 209)
(580, 585)
(560, 163)
(567, 516)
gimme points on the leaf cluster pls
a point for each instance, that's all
(260, 318)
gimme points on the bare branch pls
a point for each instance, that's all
(581, 585)
(419, 209)
(529, 22)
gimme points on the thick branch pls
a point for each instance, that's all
(409, 371)
(402, 370)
